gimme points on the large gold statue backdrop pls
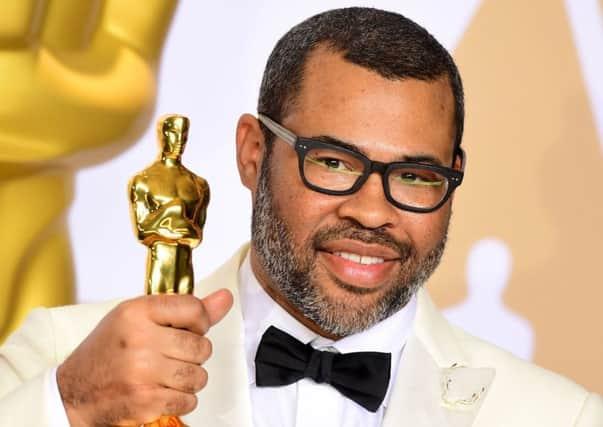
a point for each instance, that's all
(77, 85)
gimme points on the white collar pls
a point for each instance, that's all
(260, 311)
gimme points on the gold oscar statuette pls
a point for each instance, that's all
(168, 205)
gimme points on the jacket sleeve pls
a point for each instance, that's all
(24, 359)
(46, 338)
(591, 414)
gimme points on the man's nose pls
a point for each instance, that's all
(369, 206)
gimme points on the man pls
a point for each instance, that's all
(351, 163)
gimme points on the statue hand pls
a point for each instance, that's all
(169, 222)
(77, 74)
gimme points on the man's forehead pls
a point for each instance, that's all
(350, 102)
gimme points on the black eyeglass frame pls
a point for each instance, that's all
(302, 145)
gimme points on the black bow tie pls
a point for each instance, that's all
(362, 376)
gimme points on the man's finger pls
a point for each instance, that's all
(181, 344)
(179, 311)
(182, 376)
(189, 312)
(217, 305)
(178, 402)
(151, 405)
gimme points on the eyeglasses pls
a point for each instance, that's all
(331, 169)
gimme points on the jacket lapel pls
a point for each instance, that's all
(225, 400)
(435, 386)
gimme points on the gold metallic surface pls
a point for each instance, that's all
(168, 205)
(77, 79)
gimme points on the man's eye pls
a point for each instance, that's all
(331, 163)
(420, 179)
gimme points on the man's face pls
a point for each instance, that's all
(347, 262)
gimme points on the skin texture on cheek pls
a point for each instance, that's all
(291, 199)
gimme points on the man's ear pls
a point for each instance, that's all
(250, 150)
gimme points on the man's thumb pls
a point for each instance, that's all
(217, 305)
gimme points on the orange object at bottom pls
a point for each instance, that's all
(167, 421)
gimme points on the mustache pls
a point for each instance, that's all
(354, 231)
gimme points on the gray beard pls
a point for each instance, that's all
(291, 269)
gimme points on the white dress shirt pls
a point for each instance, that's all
(57, 417)
(305, 403)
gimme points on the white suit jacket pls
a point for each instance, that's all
(446, 377)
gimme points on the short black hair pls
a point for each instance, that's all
(385, 42)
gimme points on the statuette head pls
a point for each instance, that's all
(172, 134)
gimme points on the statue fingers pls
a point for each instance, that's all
(19, 22)
(69, 24)
(142, 26)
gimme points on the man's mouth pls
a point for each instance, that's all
(360, 259)
(359, 264)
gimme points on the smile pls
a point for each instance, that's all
(360, 259)
(361, 271)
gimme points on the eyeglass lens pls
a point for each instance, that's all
(336, 170)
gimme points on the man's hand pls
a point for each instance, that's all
(143, 360)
